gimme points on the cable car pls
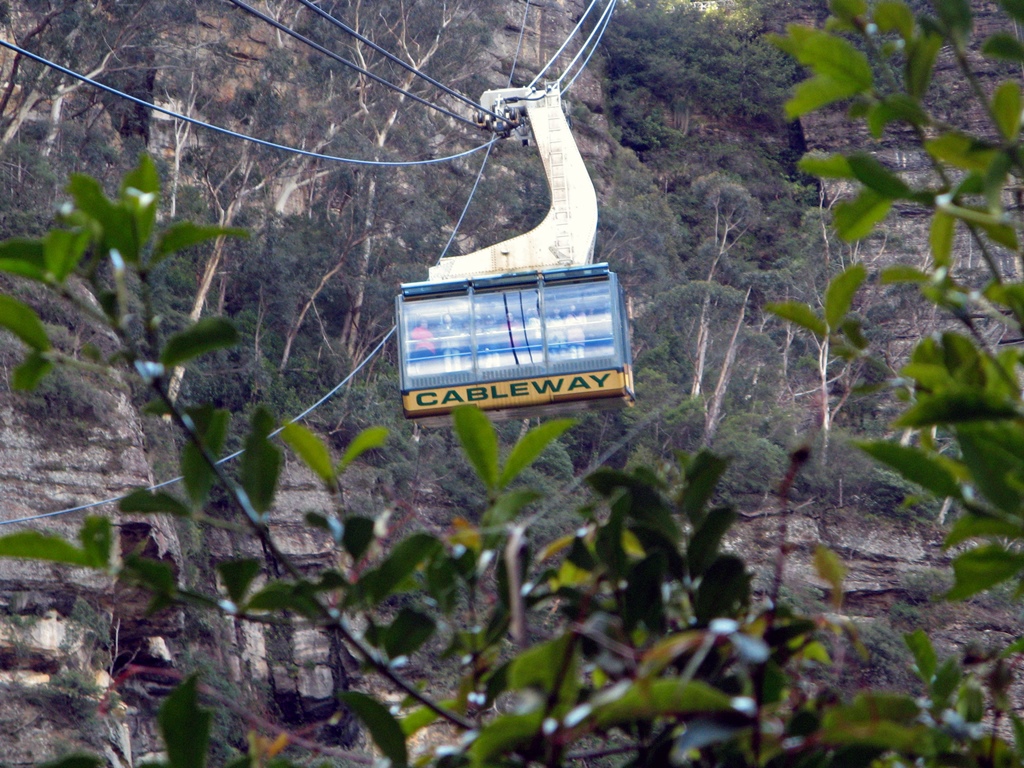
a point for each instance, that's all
(528, 326)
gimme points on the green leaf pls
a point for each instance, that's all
(207, 334)
(275, 596)
(117, 230)
(924, 655)
(901, 273)
(237, 576)
(839, 294)
(956, 15)
(724, 589)
(955, 407)
(840, 70)
(894, 16)
(186, 234)
(702, 473)
(1013, 7)
(851, 329)
(1004, 234)
(707, 538)
(848, 10)
(23, 322)
(894, 108)
(873, 175)
(33, 545)
(875, 720)
(502, 735)
(155, 576)
(995, 179)
(855, 219)
(960, 150)
(994, 455)
(982, 568)
(830, 568)
(545, 666)
(642, 600)
(506, 508)
(97, 541)
(185, 727)
(530, 447)
(801, 314)
(947, 680)
(1006, 107)
(358, 536)
(261, 462)
(646, 700)
(384, 729)
(142, 178)
(148, 502)
(62, 251)
(916, 466)
(311, 449)
(941, 237)
(23, 257)
(404, 559)
(30, 371)
(407, 632)
(826, 167)
(211, 427)
(1003, 45)
(813, 94)
(367, 440)
(479, 442)
(975, 526)
(417, 720)
(197, 475)
(142, 207)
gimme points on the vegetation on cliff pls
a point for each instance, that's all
(633, 636)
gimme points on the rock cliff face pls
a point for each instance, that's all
(64, 632)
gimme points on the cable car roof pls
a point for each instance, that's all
(428, 288)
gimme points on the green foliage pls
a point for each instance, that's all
(638, 633)
(953, 381)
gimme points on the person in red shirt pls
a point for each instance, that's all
(423, 340)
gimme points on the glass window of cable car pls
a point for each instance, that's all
(437, 337)
(508, 329)
(509, 343)
(579, 322)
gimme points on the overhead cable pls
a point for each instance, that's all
(391, 57)
(342, 60)
(487, 154)
(228, 458)
(558, 53)
(519, 44)
(598, 32)
(225, 131)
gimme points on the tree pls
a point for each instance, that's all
(661, 647)
(635, 634)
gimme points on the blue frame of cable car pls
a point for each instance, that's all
(520, 344)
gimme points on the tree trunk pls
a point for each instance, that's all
(702, 345)
(350, 333)
(212, 264)
(714, 415)
(824, 415)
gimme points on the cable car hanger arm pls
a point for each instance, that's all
(566, 235)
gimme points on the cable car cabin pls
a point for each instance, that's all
(519, 345)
